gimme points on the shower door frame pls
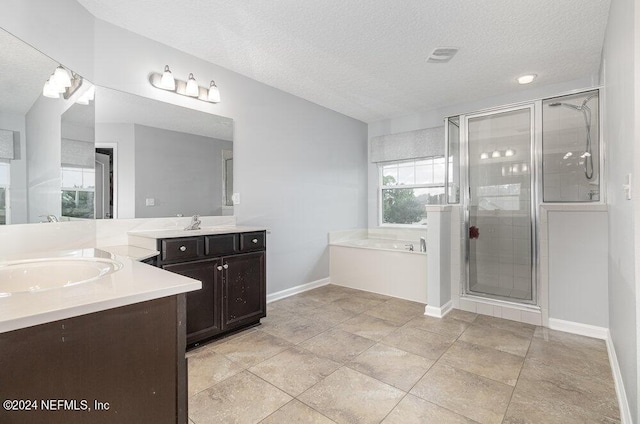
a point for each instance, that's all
(535, 123)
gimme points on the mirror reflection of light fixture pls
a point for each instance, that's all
(61, 77)
(192, 87)
(496, 154)
(62, 81)
(509, 152)
(188, 88)
(167, 81)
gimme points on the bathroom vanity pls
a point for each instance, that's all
(91, 337)
(230, 263)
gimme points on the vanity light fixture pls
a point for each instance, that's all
(509, 152)
(484, 155)
(62, 81)
(190, 88)
(496, 154)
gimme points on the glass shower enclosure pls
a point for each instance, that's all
(500, 204)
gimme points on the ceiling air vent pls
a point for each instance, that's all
(442, 54)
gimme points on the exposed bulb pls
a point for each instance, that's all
(62, 78)
(496, 154)
(484, 155)
(49, 90)
(509, 153)
(167, 81)
(214, 93)
(192, 87)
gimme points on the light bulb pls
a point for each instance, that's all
(214, 93)
(496, 154)
(49, 90)
(525, 168)
(509, 152)
(91, 93)
(62, 78)
(515, 169)
(192, 87)
(484, 155)
(526, 79)
(167, 81)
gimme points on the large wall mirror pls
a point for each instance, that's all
(117, 155)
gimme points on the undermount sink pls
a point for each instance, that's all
(36, 275)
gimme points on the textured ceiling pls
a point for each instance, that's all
(23, 72)
(366, 58)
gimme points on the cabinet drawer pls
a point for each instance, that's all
(181, 248)
(223, 244)
(252, 241)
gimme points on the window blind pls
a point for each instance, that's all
(408, 145)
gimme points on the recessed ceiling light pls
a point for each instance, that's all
(526, 79)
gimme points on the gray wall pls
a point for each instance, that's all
(621, 62)
(181, 172)
(300, 168)
(578, 267)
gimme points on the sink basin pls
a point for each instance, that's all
(36, 275)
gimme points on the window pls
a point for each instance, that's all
(406, 187)
(78, 187)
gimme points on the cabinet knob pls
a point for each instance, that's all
(183, 248)
(225, 266)
(219, 268)
(254, 241)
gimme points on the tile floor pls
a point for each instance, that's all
(337, 355)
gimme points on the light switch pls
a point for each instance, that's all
(236, 198)
(150, 201)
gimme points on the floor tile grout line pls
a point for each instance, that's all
(504, 416)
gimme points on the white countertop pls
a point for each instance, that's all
(134, 282)
(132, 252)
(204, 231)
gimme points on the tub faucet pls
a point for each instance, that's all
(423, 244)
(50, 218)
(409, 246)
(195, 223)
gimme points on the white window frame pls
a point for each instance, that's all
(381, 187)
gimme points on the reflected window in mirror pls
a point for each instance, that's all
(78, 190)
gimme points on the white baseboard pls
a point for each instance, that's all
(579, 328)
(438, 312)
(623, 403)
(297, 289)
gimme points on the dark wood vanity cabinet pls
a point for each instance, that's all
(231, 268)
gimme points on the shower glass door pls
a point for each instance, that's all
(499, 213)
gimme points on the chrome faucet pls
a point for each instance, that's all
(50, 218)
(423, 244)
(195, 223)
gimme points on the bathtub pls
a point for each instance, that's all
(382, 266)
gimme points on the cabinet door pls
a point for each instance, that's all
(204, 315)
(244, 298)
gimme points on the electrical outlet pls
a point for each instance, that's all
(150, 201)
(236, 198)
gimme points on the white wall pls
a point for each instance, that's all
(621, 61)
(300, 168)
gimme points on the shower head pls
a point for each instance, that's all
(566, 105)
